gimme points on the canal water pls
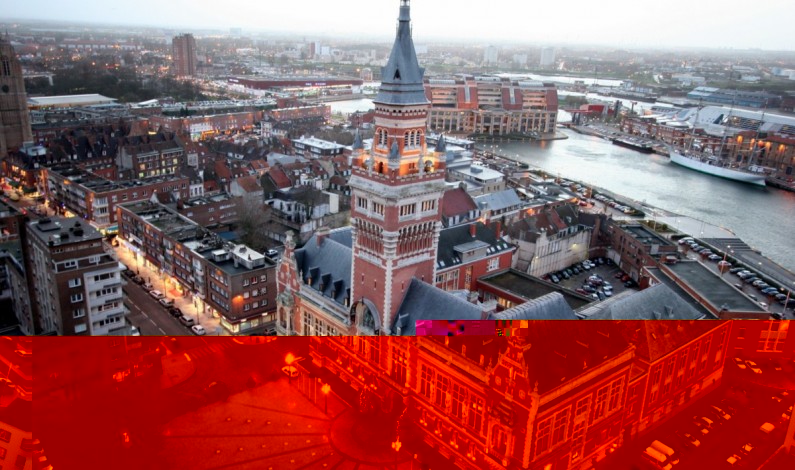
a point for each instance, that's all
(763, 217)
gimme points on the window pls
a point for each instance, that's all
(78, 313)
(442, 385)
(616, 389)
(458, 398)
(475, 414)
(601, 402)
(254, 280)
(80, 328)
(245, 282)
(426, 379)
(361, 203)
(428, 205)
(543, 436)
(2, 453)
(71, 264)
(76, 298)
(399, 365)
(263, 278)
(5, 435)
(378, 208)
(561, 426)
(20, 462)
(494, 263)
(76, 282)
(375, 350)
(407, 209)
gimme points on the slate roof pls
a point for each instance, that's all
(450, 238)
(423, 301)
(655, 303)
(328, 264)
(551, 306)
(656, 339)
(499, 200)
(401, 78)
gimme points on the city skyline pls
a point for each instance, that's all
(672, 24)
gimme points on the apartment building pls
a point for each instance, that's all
(75, 285)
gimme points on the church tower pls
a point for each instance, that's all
(14, 116)
(397, 189)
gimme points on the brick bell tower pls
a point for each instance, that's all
(15, 127)
(397, 190)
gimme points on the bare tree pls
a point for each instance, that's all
(253, 218)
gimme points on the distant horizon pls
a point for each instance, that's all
(677, 24)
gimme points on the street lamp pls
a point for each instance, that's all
(326, 388)
(289, 359)
(397, 445)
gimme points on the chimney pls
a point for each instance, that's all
(473, 229)
(321, 234)
(498, 229)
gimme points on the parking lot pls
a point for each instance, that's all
(607, 271)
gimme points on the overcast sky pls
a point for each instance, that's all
(765, 24)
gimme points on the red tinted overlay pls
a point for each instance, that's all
(546, 395)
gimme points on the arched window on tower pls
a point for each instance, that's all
(382, 137)
(407, 140)
(5, 64)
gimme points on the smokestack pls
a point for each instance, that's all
(321, 234)
(472, 229)
(498, 229)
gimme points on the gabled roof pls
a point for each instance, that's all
(249, 184)
(551, 306)
(658, 302)
(279, 177)
(455, 239)
(457, 202)
(498, 201)
(401, 78)
(328, 264)
(423, 301)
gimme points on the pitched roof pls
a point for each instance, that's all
(454, 240)
(456, 202)
(279, 177)
(401, 78)
(328, 264)
(498, 201)
(658, 302)
(657, 339)
(423, 301)
(551, 306)
(249, 184)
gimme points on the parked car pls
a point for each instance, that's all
(198, 330)
(714, 257)
(555, 279)
(607, 292)
(601, 295)
(630, 283)
(740, 363)
(272, 253)
(166, 302)
(736, 270)
(687, 439)
(175, 312)
(187, 321)
(147, 286)
(157, 294)
(769, 291)
(138, 280)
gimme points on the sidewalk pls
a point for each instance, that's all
(184, 303)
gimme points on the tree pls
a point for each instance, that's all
(252, 223)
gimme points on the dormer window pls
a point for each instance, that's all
(397, 74)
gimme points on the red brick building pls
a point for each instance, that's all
(94, 198)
